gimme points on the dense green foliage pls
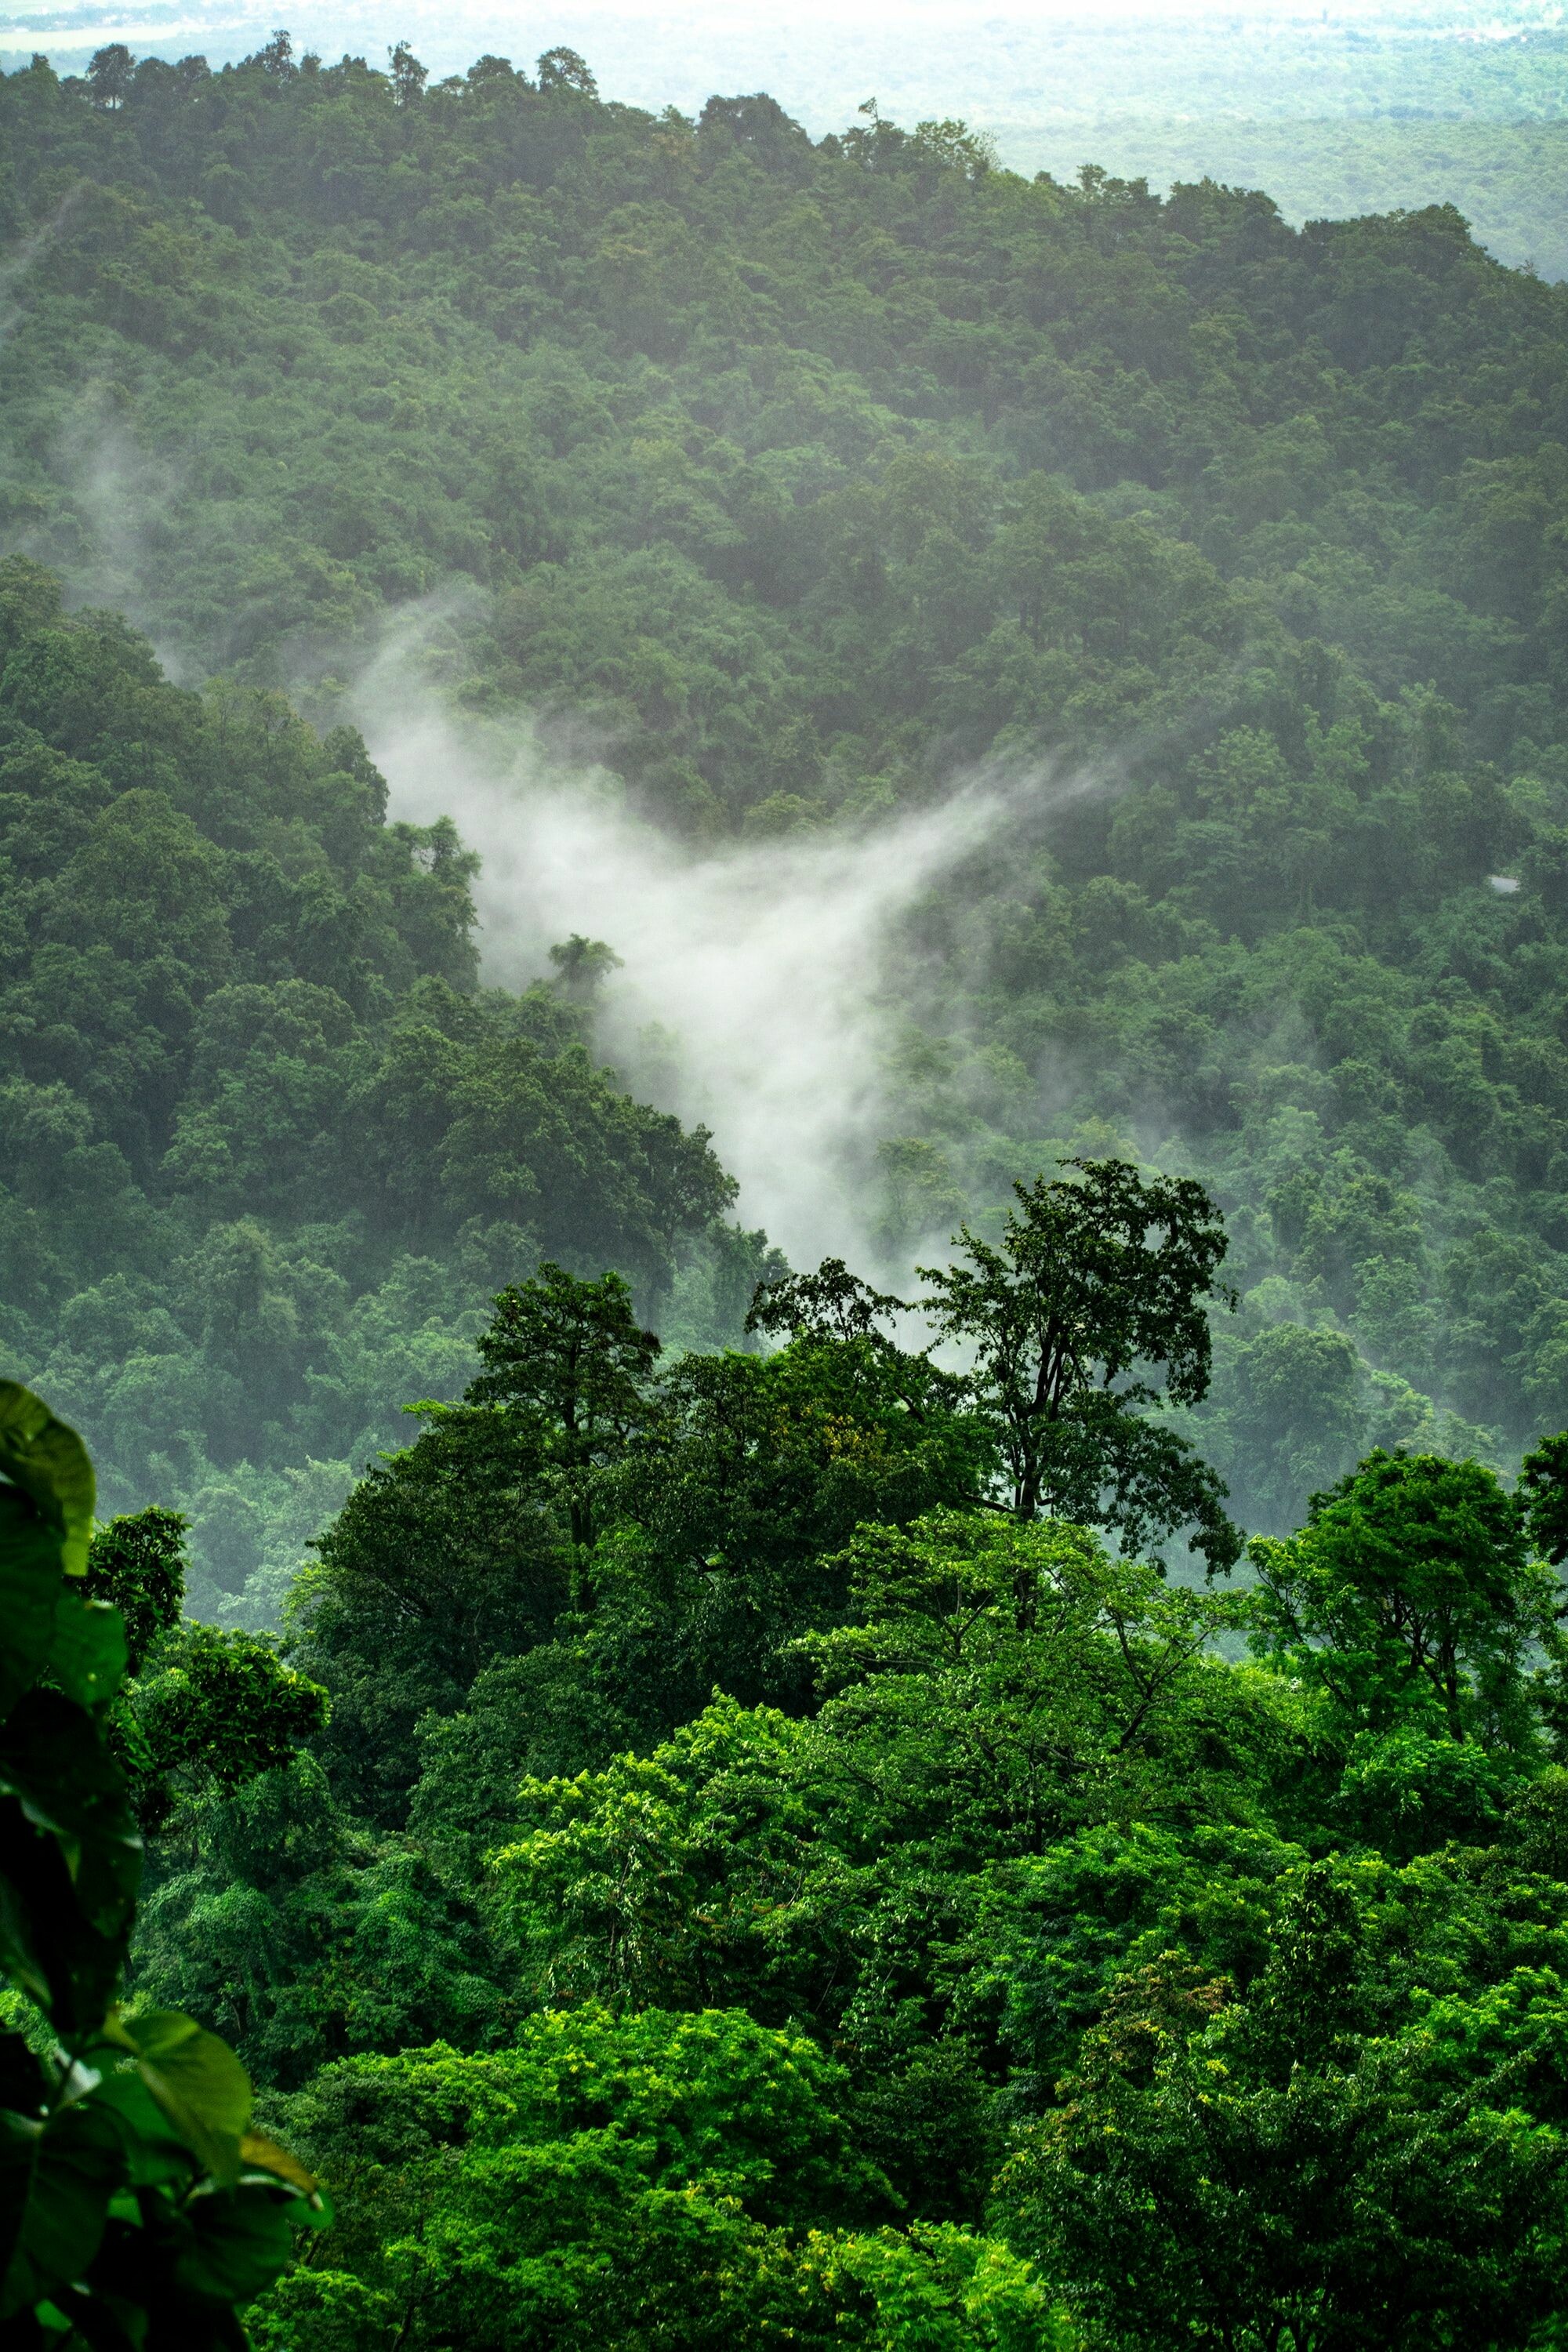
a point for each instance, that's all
(265, 1148)
(743, 1841)
(805, 473)
(1403, 104)
(136, 2205)
(805, 1894)
(1509, 178)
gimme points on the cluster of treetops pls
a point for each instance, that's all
(1510, 179)
(804, 473)
(753, 1850)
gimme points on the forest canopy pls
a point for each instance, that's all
(807, 475)
(1002, 1793)
(267, 1145)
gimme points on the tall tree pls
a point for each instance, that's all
(568, 1363)
(1102, 1280)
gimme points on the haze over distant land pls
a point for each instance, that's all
(1334, 111)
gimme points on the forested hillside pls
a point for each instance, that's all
(807, 477)
(1011, 1798)
(1389, 104)
(268, 1149)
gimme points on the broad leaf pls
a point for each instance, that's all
(54, 1761)
(260, 2154)
(77, 2163)
(199, 2083)
(24, 2086)
(19, 2136)
(48, 1461)
(88, 1653)
(70, 1860)
(29, 1588)
(30, 1869)
(156, 2154)
(242, 2239)
(23, 2094)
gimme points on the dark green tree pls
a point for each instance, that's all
(564, 69)
(447, 1555)
(408, 75)
(1543, 1497)
(1102, 1280)
(568, 1365)
(212, 1709)
(467, 1545)
(108, 76)
(1268, 2171)
(583, 966)
(137, 1563)
(1410, 1595)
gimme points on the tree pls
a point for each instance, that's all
(1000, 1682)
(213, 1710)
(733, 1510)
(447, 1555)
(109, 75)
(567, 1363)
(564, 69)
(467, 1545)
(201, 1708)
(1270, 2171)
(1543, 1497)
(408, 75)
(1099, 1279)
(937, 2287)
(996, 1686)
(718, 1516)
(1409, 1596)
(290, 1926)
(1290, 1404)
(137, 1563)
(583, 966)
(604, 2177)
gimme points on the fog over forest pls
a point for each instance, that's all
(783, 1180)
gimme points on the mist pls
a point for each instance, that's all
(757, 993)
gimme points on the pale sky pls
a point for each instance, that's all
(472, 26)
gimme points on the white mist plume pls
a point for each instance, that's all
(752, 996)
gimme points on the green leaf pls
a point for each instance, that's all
(243, 2238)
(88, 1655)
(155, 2153)
(199, 2083)
(24, 1955)
(23, 2096)
(54, 1760)
(48, 1461)
(70, 1860)
(19, 2136)
(29, 1588)
(78, 2165)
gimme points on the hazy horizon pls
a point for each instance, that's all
(655, 54)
